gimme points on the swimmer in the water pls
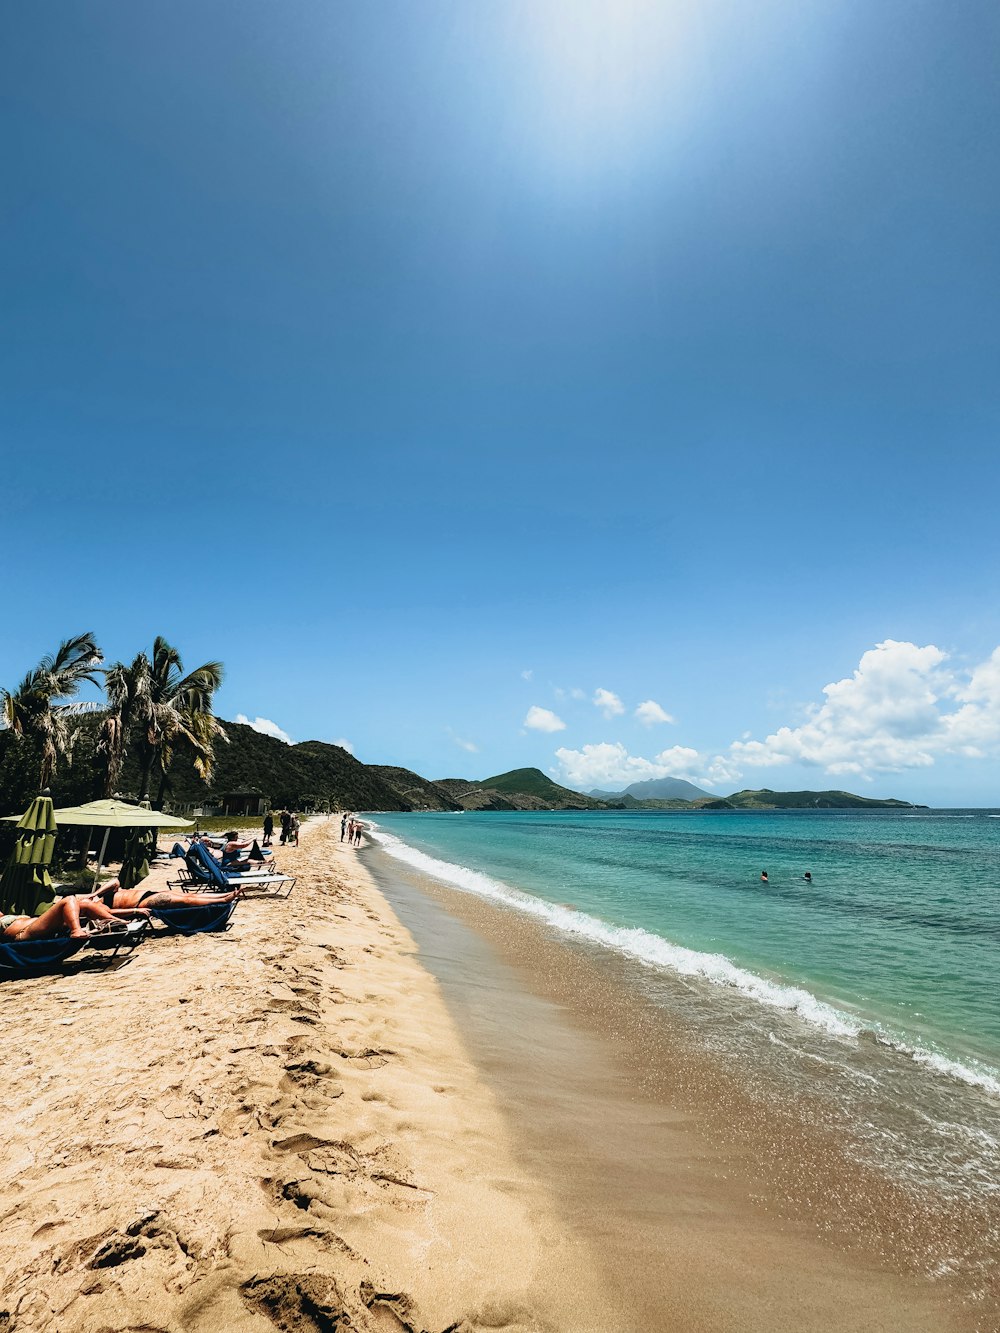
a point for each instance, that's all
(808, 876)
(763, 877)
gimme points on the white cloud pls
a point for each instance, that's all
(649, 713)
(577, 693)
(610, 765)
(543, 719)
(344, 745)
(265, 726)
(528, 674)
(904, 707)
(897, 711)
(609, 703)
(463, 744)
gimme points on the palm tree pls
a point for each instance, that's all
(127, 689)
(165, 709)
(36, 711)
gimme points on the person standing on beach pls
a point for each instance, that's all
(285, 821)
(293, 829)
(268, 829)
(357, 834)
(343, 825)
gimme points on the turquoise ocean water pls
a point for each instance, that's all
(883, 971)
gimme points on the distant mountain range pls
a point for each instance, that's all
(314, 774)
(657, 789)
(317, 775)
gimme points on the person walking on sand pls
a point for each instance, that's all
(357, 834)
(268, 829)
(285, 820)
(293, 829)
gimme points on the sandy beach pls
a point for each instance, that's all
(273, 1128)
(298, 1125)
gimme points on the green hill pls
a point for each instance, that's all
(470, 796)
(529, 788)
(415, 790)
(312, 773)
(765, 799)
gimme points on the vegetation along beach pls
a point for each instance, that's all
(500, 667)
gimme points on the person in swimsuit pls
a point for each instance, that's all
(763, 877)
(62, 918)
(232, 857)
(140, 902)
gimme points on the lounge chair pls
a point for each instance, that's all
(116, 939)
(204, 871)
(193, 920)
(25, 957)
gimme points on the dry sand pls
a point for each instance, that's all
(273, 1128)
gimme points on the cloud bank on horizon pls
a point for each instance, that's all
(902, 708)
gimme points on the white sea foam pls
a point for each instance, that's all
(656, 951)
(629, 940)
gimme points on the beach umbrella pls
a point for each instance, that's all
(117, 814)
(140, 846)
(25, 886)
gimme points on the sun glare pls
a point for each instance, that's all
(604, 77)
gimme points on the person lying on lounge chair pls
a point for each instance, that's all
(62, 918)
(141, 902)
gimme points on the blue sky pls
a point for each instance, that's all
(391, 352)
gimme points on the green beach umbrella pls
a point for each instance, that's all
(140, 845)
(116, 814)
(25, 886)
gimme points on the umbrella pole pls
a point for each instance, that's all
(100, 859)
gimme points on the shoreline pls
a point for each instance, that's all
(790, 1193)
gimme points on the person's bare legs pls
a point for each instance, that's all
(96, 911)
(190, 899)
(62, 915)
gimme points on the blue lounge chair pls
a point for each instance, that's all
(193, 920)
(26, 956)
(205, 872)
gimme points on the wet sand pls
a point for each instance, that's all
(708, 1207)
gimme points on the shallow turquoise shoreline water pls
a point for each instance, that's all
(866, 998)
(897, 935)
(862, 1003)
(898, 932)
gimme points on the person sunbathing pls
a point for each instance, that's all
(141, 901)
(62, 918)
